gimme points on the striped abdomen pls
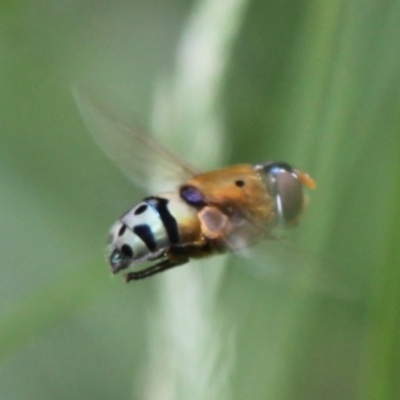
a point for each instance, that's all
(153, 225)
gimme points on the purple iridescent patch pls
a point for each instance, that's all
(192, 196)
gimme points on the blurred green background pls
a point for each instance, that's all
(309, 82)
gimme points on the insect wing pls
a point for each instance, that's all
(139, 156)
(287, 265)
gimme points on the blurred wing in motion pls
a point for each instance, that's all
(283, 264)
(138, 155)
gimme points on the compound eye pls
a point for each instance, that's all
(286, 188)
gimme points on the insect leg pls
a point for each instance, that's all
(157, 268)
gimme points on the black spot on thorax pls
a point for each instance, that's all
(240, 183)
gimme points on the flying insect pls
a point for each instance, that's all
(202, 214)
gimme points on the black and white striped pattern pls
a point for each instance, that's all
(149, 227)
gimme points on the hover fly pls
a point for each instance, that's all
(203, 213)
